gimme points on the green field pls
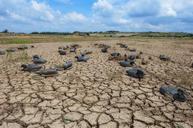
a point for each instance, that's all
(57, 37)
(26, 39)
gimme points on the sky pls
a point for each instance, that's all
(96, 15)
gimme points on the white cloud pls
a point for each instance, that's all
(38, 6)
(102, 4)
(167, 8)
(175, 8)
(144, 15)
(123, 15)
(123, 21)
(36, 16)
(48, 14)
(45, 11)
(15, 16)
(74, 17)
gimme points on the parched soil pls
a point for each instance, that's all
(98, 93)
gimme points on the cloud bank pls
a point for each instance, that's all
(122, 15)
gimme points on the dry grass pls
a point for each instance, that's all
(26, 39)
(114, 75)
(191, 50)
(17, 57)
(185, 79)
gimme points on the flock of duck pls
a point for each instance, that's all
(14, 49)
(124, 61)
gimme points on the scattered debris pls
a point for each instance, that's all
(103, 46)
(132, 57)
(132, 49)
(104, 50)
(75, 46)
(62, 52)
(115, 54)
(123, 46)
(144, 62)
(73, 49)
(2, 52)
(22, 47)
(87, 52)
(63, 47)
(150, 58)
(164, 58)
(11, 50)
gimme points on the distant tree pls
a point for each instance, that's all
(75, 32)
(5, 31)
(35, 33)
(112, 31)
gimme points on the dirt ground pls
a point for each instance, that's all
(98, 93)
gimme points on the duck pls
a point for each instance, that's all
(135, 72)
(175, 93)
(38, 59)
(30, 67)
(82, 58)
(47, 72)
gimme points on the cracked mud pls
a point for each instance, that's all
(98, 93)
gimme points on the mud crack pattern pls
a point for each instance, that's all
(96, 94)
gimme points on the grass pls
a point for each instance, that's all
(114, 75)
(17, 57)
(183, 78)
(30, 38)
(15, 41)
(27, 39)
(66, 121)
(178, 126)
(186, 79)
(24, 57)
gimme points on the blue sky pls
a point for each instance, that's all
(96, 15)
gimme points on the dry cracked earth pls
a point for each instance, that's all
(98, 94)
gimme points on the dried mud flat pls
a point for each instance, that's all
(98, 94)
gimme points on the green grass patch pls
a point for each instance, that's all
(15, 41)
(48, 38)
